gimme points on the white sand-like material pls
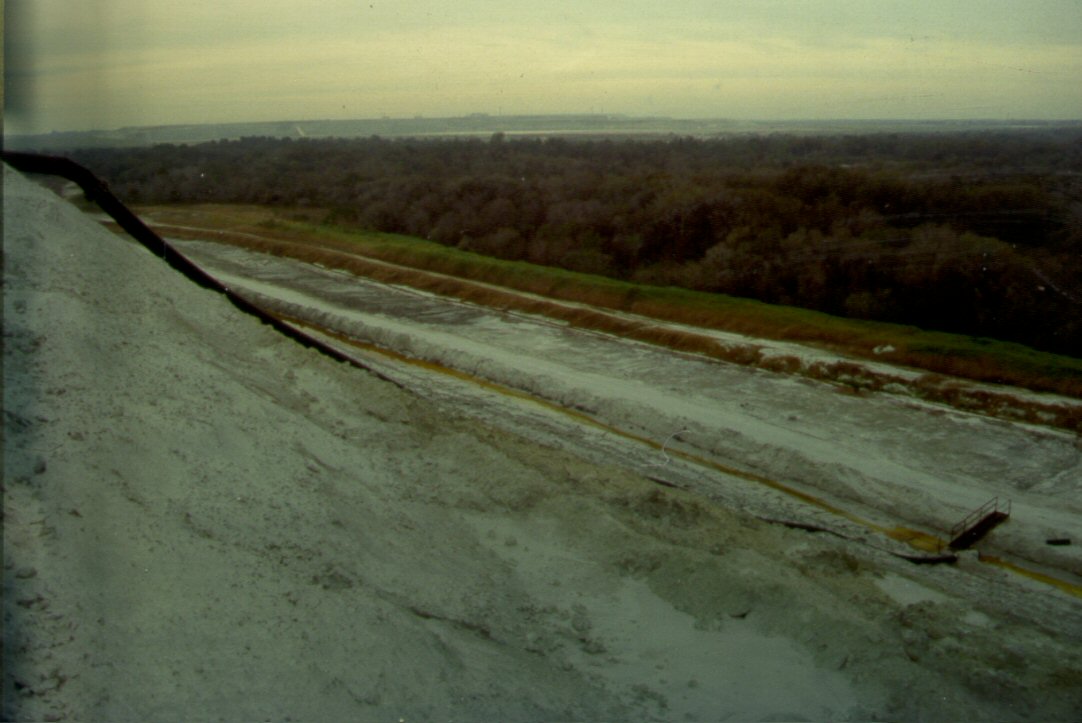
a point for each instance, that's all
(204, 520)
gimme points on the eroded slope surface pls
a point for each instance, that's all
(203, 520)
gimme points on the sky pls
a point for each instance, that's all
(104, 64)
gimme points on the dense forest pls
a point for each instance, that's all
(979, 234)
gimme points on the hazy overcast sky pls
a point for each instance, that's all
(81, 64)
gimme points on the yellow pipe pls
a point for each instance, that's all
(1067, 587)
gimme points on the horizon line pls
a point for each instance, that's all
(623, 117)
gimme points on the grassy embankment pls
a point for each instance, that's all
(942, 357)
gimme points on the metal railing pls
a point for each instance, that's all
(989, 507)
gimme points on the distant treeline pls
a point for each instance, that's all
(979, 234)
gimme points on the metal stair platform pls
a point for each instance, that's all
(979, 523)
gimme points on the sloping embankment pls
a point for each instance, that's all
(850, 373)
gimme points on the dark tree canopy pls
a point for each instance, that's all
(978, 234)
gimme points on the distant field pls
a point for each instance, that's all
(299, 234)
